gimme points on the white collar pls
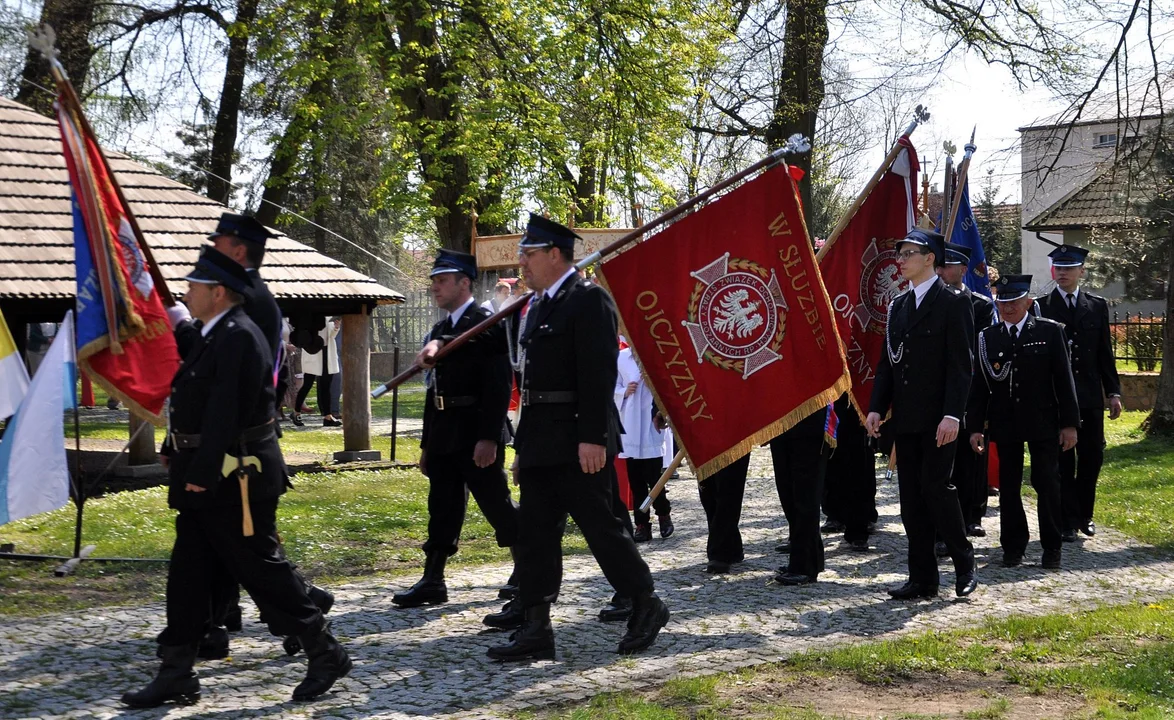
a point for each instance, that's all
(1064, 295)
(919, 291)
(212, 323)
(1018, 326)
(553, 289)
(455, 315)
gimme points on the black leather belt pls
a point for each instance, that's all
(184, 441)
(447, 402)
(548, 397)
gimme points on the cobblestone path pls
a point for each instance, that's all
(431, 662)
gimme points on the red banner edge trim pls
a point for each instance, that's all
(83, 362)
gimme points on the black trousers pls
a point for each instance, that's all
(799, 465)
(1045, 478)
(1080, 467)
(206, 540)
(643, 473)
(325, 407)
(929, 506)
(970, 477)
(549, 494)
(850, 480)
(721, 497)
(448, 476)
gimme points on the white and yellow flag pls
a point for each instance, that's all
(14, 377)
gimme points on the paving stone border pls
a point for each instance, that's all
(430, 662)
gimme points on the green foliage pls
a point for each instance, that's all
(1000, 233)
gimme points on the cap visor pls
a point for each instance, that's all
(1021, 294)
(443, 271)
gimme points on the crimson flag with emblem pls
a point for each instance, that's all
(860, 270)
(728, 315)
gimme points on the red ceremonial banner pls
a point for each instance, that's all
(730, 320)
(860, 269)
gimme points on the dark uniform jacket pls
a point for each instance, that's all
(571, 345)
(932, 347)
(472, 383)
(1093, 368)
(1035, 396)
(223, 387)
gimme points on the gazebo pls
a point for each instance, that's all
(37, 267)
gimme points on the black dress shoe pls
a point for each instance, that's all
(533, 641)
(831, 527)
(649, 615)
(510, 617)
(870, 528)
(975, 530)
(940, 549)
(913, 591)
(1090, 528)
(966, 583)
(666, 526)
(1068, 536)
(643, 533)
(857, 544)
(786, 577)
(783, 547)
(620, 608)
(1050, 560)
(1012, 559)
(717, 567)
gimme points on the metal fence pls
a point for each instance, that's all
(1137, 339)
(404, 325)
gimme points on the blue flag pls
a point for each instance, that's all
(966, 234)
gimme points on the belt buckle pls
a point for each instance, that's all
(439, 401)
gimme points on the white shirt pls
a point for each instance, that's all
(455, 315)
(1018, 326)
(1064, 295)
(919, 291)
(212, 323)
(553, 289)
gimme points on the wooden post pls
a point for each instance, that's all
(142, 447)
(356, 389)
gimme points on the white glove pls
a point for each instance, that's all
(177, 313)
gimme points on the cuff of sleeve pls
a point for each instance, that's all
(1115, 395)
(951, 417)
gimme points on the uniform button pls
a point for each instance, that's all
(192, 373)
(906, 382)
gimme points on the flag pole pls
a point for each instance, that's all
(920, 115)
(963, 171)
(795, 144)
(656, 490)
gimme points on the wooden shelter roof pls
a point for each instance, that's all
(36, 228)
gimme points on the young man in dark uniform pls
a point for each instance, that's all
(970, 469)
(1085, 318)
(226, 475)
(1025, 394)
(924, 376)
(567, 439)
(465, 428)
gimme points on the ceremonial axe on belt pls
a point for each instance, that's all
(237, 465)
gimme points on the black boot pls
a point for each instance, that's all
(649, 615)
(324, 600)
(620, 608)
(232, 619)
(213, 646)
(328, 663)
(533, 641)
(431, 589)
(176, 682)
(510, 617)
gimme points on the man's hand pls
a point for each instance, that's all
(1068, 438)
(1114, 407)
(631, 390)
(177, 313)
(872, 424)
(423, 463)
(947, 431)
(592, 458)
(484, 453)
(976, 443)
(426, 358)
(194, 488)
(660, 422)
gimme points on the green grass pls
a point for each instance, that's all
(1132, 366)
(1135, 493)
(1108, 663)
(411, 402)
(335, 526)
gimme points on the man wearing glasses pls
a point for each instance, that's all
(924, 377)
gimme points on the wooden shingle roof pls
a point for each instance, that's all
(36, 227)
(1112, 198)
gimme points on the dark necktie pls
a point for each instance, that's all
(447, 327)
(1071, 302)
(1014, 330)
(198, 324)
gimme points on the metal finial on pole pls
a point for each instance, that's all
(44, 41)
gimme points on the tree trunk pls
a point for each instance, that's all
(224, 133)
(1161, 420)
(800, 84)
(72, 20)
